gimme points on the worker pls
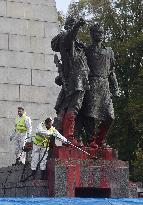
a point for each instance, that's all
(21, 134)
(41, 141)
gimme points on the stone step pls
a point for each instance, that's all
(32, 188)
(13, 173)
(16, 174)
(16, 181)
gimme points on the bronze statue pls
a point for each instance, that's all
(73, 76)
(97, 106)
(88, 80)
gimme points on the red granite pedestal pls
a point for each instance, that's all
(74, 173)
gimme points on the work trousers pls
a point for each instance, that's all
(38, 153)
(20, 140)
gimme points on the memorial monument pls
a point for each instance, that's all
(73, 170)
(88, 81)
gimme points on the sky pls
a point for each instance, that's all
(62, 5)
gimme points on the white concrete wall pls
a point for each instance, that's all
(27, 70)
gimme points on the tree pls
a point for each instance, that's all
(61, 18)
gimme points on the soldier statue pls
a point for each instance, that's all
(97, 106)
(73, 76)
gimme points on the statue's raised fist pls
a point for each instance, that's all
(82, 21)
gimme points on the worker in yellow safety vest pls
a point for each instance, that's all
(21, 134)
(41, 140)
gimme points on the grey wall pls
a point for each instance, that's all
(27, 70)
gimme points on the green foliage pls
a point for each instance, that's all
(61, 18)
(138, 165)
(123, 25)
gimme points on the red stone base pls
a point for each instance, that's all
(67, 177)
(72, 168)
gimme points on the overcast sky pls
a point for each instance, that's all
(62, 5)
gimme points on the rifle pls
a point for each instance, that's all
(60, 71)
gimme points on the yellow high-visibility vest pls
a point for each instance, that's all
(20, 125)
(43, 140)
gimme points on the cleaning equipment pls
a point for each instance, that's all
(70, 143)
(28, 147)
(93, 157)
(35, 171)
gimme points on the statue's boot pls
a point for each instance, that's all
(68, 127)
(103, 129)
(93, 143)
(80, 143)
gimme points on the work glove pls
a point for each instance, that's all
(62, 138)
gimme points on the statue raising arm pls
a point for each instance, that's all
(72, 28)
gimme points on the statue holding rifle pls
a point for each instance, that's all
(73, 76)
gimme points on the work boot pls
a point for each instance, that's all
(17, 162)
(42, 174)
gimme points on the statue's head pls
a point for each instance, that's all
(70, 21)
(96, 32)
